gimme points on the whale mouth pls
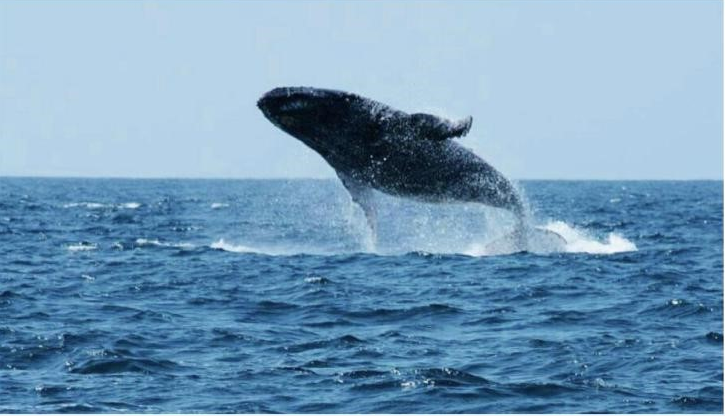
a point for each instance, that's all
(286, 92)
(283, 95)
(289, 92)
(297, 98)
(284, 100)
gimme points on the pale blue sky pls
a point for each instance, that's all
(558, 89)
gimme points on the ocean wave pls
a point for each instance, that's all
(345, 341)
(118, 363)
(408, 379)
(396, 314)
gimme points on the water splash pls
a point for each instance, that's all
(416, 236)
(580, 241)
(356, 224)
(339, 227)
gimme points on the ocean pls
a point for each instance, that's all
(130, 295)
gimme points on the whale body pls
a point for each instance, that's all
(371, 145)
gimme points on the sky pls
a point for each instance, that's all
(557, 89)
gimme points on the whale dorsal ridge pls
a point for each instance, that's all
(437, 128)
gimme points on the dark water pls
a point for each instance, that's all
(269, 296)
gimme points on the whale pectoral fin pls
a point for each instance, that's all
(363, 196)
(437, 128)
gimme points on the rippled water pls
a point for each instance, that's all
(270, 296)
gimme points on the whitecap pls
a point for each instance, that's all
(217, 205)
(82, 247)
(234, 248)
(155, 242)
(279, 250)
(130, 205)
(89, 205)
(94, 205)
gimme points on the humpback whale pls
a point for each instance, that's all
(371, 145)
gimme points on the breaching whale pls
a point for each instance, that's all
(374, 146)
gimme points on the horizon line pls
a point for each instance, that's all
(5, 176)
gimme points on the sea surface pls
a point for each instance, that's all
(273, 296)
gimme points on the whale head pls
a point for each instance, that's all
(328, 121)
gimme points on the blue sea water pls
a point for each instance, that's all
(271, 296)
